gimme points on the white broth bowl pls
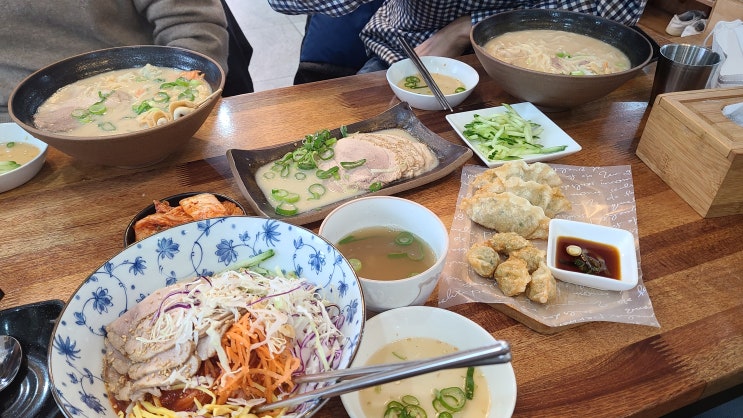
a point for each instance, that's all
(435, 65)
(439, 324)
(11, 132)
(396, 213)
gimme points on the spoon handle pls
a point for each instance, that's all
(494, 354)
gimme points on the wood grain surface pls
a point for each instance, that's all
(70, 219)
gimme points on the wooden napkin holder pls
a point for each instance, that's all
(697, 150)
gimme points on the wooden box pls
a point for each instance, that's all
(696, 149)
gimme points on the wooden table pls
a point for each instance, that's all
(67, 221)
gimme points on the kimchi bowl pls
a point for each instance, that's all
(119, 147)
(152, 292)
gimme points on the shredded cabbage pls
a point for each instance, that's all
(290, 311)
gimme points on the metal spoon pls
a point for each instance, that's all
(10, 359)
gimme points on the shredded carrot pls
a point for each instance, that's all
(192, 75)
(256, 372)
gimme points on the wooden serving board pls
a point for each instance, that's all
(531, 322)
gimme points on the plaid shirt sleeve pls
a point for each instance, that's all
(330, 8)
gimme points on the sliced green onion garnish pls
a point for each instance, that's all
(417, 256)
(286, 209)
(142, 107)
(353, 164)
(347, 239)
(404, 238)
(316, 190)
(300, 176)
(326, 154)
(107, 126)
(413, 82)
(79, 113)
(326, 174)
(279, 194)
(10, 144)
(6, 166)
(452, 398)
(284, 195)
(97, 108)
(355, 263)
(307, 164)
(377, 185)
(187, 94)
(469, 383)
(161, 97)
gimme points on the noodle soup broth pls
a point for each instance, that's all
(557, 52)
(122, 101)
(383, 253)
(423, 388)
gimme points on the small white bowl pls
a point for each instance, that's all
(439, 65)
(10, 132)
(443, 325)
(390, 211)
(621, 239)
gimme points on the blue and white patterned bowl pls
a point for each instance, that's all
(186, 251)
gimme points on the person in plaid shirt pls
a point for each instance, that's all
(442, 27)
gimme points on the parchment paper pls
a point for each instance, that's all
(599, 195)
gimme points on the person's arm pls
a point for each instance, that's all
(198, 25)
(327, 7)
(450, 41)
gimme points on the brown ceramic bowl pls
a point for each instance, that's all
(554, 91)
(135, 149)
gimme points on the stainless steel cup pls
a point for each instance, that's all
(682, 67)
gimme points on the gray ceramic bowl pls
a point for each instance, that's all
(555, 91)
(140, 148)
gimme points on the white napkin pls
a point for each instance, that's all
(734, 112)
(728, 42)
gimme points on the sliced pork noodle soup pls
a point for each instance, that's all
(122, 101)
(557, 52)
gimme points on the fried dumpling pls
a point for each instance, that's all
(512, 276)
(543, 286)
(538, 172)
(483, 259)
(506, 212)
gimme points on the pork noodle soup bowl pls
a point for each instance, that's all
(398, 214)
(135, 149)
(554, 92)
(180, 254)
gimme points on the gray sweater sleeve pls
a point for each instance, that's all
(199, 25)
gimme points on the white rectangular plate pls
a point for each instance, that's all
(552, 135)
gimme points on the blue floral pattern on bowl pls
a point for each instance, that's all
(183, 252)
